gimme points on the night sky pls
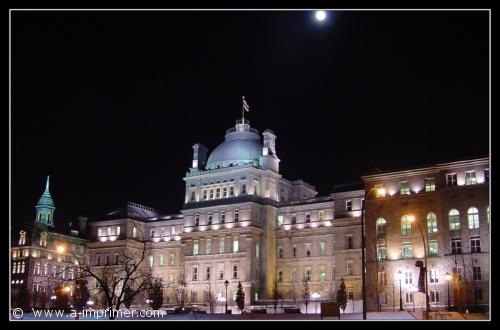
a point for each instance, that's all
(110, 103)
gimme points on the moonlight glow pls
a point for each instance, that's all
(320, 15)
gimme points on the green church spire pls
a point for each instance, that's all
(45, 207)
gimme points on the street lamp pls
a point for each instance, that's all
(411, 219)
(447, 277)
(226, 284)
(400, 277)
(381, 193)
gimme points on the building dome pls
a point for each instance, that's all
(241, 146)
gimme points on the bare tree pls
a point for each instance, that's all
(277, 294)
(212, 301)
(125, 279)
(306, 291)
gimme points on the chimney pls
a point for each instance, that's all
(82, 224)
(199, 156)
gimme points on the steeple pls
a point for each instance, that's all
(45, 207)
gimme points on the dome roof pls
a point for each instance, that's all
(241, 146)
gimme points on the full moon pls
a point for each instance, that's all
(320, 15)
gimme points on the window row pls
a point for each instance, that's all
(451, 180)
(161, 260)
(61, 272)
(220, 245)
(208, 275)
(432, 227)
(108, 231)
(220, 192)
(161, 232)
(307, 218)
(222, 218)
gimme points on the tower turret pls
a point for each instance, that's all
(45, 207)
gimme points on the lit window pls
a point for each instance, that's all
(322, 249)
(381, 223)
(172, 260)
(470, 177)
(451, 179)
(473, 218)
(322, 273)
(134, 232)
(209, 246)
(257, 250)
(433, 276)
(196, 248)
(321, 215)
(407, 251)
(161, 262)
(408, 277)
(350, 268)
(382, 252)
(431, 223)
(405, 226)
(404, 188)
(221, 245)
(22, 237)
(433, 248)
(235, 244)
(430, 184)
(454, 219)
(280, 220)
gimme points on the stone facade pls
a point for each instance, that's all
(450, 204)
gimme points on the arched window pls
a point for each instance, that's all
(431, 223)
(48, 217)
(381, 223)
(454, 219)
(39, 216)
(405, 225)
(488, 214)
(473, 218)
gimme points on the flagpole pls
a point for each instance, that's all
(243, 112)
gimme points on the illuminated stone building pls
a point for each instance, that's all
(449, 202)
(37, 266)
(235, 225)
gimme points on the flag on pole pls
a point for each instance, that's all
(245, 105)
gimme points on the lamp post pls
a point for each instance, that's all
(411, 218)
(363, 239)
(400, 276)
(226, 284)
(448, 279)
